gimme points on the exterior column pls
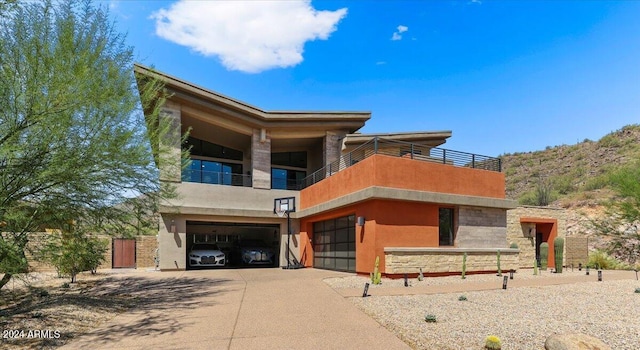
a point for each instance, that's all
(172, 243)
(261, 159)
(169, 160)
(331, 149)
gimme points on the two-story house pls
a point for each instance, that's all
(358, 196)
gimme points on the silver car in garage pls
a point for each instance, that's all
(206, 254)
(256, 252)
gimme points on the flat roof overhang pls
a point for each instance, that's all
(430, 138)
(387, 193)
(197, 99)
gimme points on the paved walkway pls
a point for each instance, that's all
(262, 309)
(237, 309)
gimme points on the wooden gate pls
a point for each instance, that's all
(124, 253)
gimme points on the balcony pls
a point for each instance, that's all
(216, 177)
(407, 150)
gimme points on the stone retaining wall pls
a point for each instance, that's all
(447, 260)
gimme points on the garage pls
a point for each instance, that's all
(335, 244)
(243, 245)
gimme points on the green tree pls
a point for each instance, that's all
(74, 141)
(622, 218)
(74, 251)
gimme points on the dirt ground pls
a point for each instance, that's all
(42, 311)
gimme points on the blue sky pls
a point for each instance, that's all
(503, 75)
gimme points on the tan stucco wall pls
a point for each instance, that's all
(173, 245)
(202, 199)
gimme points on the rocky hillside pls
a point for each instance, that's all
(573, 172)
(576, 175)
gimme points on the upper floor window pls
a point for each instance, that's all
(211, 172)
(292, 159)
(286, 179)
(212, 150)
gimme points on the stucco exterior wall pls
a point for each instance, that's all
(401, 173)
(197, 198)
(173, 245)
(391, 223)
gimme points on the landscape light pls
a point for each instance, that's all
(366, 290)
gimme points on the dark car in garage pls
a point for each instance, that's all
(255, 252)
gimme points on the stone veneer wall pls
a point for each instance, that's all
(576, 251)
(517, 232)
(261, 159)
(447, 260)
(145, 251)
(38, 239)
(481, 228)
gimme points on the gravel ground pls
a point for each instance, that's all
(359, 281)
(36, 312)
(521, 317)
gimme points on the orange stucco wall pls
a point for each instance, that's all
(402, 173)
(387, 224)
(549, 229)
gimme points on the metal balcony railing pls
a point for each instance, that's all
(402, 149)
(216, 178)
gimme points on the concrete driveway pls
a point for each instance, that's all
(237, 309)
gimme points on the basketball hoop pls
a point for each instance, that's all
(282, 206)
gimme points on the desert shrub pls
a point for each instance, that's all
(563, 184)
(596, 182)
(429, 318)
(462, 298)
(610, 141)
(542, 195)
(74, 252)
(637, 290)
(602, 260)
(527, 198)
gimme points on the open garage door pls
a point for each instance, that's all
(243, 244)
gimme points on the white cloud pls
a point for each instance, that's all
(249, 36)
(397, 35)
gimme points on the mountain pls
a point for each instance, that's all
(570, 173)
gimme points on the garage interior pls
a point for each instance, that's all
(228, 236)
